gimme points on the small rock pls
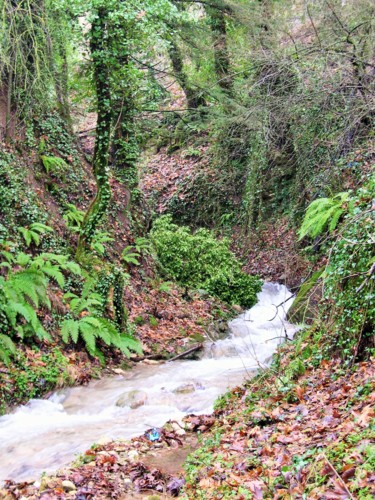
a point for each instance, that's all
(237, 308)
(133, 455)
(184, 389)
(118, 371)
(68, 486)
(103, 441)
(151, 362)
(127, 481)
(178, 429)
(133, 399)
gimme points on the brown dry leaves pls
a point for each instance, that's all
(276, 449)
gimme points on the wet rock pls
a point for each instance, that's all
(151, 362)
(179, 431)
(133, 399)
(68, 486)
(184, 389)
(119, 371)
(103, 441)
(237, 308)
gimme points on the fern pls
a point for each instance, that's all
(142, 245)
(73, 217)
(53, 163)
(91, 329)
(129, 256)
(25, 288)
(323, 213)
(97, 244)
(7, 348)
(32, 233)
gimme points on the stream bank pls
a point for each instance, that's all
(125, 406)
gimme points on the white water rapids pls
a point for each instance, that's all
(47, 434)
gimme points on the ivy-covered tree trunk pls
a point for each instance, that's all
(99, 206)
(125, 144)
(193, 97)
(222, 60)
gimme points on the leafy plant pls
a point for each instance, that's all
(7, 348)
(33, 232)
(98, 240)
(201, 261)
(53, 164)
(323, 213)
(23, 289)
(142, 245)
(73, 217)
(129, 256)
(88, 325)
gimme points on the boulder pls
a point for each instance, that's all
(133, 399)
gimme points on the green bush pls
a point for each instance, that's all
(349, 277)
(199, 260)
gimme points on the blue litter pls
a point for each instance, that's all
(154, 435)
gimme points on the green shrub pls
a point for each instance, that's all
(324, 213)
(199, 260)
(349, 287)
(348, 305)
(86, 323)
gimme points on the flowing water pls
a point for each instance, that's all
(47, 434)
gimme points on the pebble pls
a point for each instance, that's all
(68, 486)
(133, 455)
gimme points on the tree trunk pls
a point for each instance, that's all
(125, 144)
(193, 97)
(222, 59)
(99, 206)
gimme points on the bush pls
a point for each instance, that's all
(202, 261)
(348, 305)
(350, 277)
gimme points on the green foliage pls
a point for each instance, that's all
(7, 347)
(32, 233)
(57, 146)
(33, 379)
(73, 217)
(24, 289)
(88, 325)
(129, 256)
(201, 261)
(53, 164)
(324, 212)
(349, 285)
(98, 240)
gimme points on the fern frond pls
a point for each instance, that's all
(70, 328)
(7, 348)
(54, 273)
(8, 256)
(28, 283)
(88, 335)
(26, 234)
(22, 259)
(324, 212)
(40, 228)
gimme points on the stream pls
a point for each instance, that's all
(44, 435)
